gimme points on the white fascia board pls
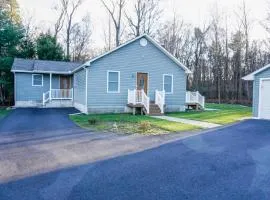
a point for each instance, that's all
(41, 72)
(250, 77)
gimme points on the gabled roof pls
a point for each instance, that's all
(250, 77)
(88, 63)
(43, 66)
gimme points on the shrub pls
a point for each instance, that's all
(144, 126)
(92, 121)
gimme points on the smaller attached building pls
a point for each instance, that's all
(261, 92)
(41, 81)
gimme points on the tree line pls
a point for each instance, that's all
(218, 54)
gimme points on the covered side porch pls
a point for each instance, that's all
(60, 93)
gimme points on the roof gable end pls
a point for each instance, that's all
(169, 55)
(250, 77)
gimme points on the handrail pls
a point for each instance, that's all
(62, 93)
(195, 97)
(160, 100)
(145, 101)
(139, 97)
(46, 97)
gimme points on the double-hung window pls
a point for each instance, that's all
(37, 80)
(113, 81)
(168, 83)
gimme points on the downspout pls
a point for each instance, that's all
(86, 88)
(15, 93)
(50, 87)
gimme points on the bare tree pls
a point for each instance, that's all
(61, 10)
(175, 36)
(116, 9)
(71, 8)
(245, 24)
(80, 39)
(107, 33)
(146, 16)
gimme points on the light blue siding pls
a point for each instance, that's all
(26, 92)
(24, 89)
(129, 60)
(55, 81)
(79, 87)
(256, 88)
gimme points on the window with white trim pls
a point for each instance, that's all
(37, 80)
(113, 82)
(168, 83)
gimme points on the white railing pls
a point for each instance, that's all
(132, 97)
(195, 97)
(62, 94)
(145, 101)
(46, 97)
(160, 100)
(139, 97)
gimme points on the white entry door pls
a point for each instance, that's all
(264, 107)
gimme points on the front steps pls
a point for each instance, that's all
(155, 110)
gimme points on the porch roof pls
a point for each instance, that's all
(43, 66)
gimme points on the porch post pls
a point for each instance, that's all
(50, 86)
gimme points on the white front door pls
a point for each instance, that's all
(264, 107)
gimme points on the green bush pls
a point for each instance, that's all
(92, 121)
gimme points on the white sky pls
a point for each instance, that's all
(195, 12)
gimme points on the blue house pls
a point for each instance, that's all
(137, 74)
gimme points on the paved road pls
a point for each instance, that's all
(231, 163)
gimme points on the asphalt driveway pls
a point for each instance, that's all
(230, 163)
(37, 119)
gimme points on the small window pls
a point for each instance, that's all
(168, 83)
(113, 82)
(37, 80)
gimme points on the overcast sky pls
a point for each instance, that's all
(195, 12)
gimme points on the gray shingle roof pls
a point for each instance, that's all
(43, 66)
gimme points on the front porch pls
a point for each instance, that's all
(59, 94)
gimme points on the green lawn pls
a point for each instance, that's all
(3, 112)
(225, 114)
(127, 123)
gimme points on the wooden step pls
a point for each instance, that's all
(155, 110)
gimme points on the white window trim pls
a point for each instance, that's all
(260, 94)
(171, 84)
(41, 80)
(118, 91)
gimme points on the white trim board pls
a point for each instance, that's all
(41, 80)
(171, 75)
(42, 72)
(115, 92)
(260, 96)
(250, 77)
(86, 89)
